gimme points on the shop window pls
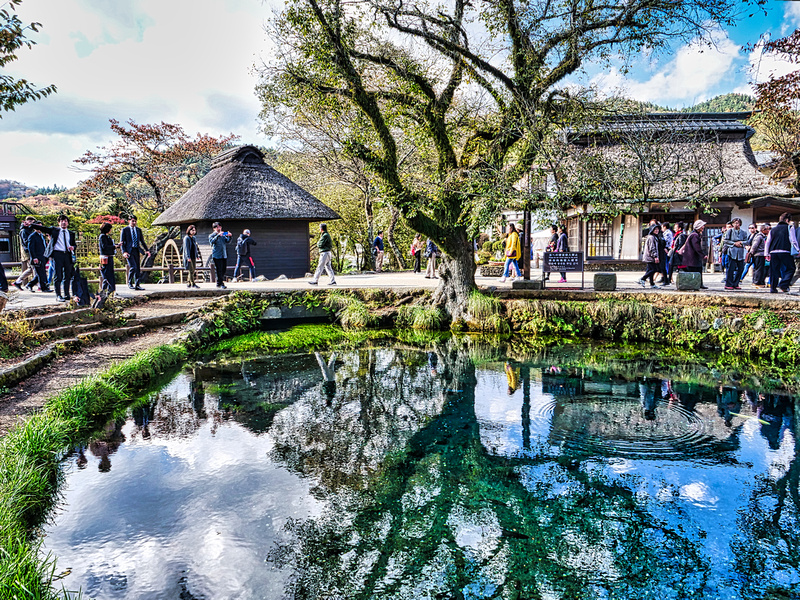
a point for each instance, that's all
(5, 245)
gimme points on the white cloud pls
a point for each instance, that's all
(183, 61)
(689, 77)
(791, 17)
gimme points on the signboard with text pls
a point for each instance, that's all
(565, 262)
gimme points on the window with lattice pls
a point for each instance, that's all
(598, 238)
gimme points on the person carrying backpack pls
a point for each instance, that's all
(243, 255)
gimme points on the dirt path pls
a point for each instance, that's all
(31, 394)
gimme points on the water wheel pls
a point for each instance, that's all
(171, 257)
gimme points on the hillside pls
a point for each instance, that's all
(724, 103)
(13, 189)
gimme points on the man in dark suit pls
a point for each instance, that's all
(132, 240)
(61, 249)
(36, 248)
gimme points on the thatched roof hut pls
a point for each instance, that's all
(243, 192)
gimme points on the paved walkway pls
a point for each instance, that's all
(403, 280)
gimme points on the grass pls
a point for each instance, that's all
(30, 457)
(16, 335)
(351, 312)
(483, 307)
(421, 317)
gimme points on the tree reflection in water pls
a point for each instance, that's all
(426, 511)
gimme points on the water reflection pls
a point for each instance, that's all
(385, 473)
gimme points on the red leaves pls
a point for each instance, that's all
(161, 156)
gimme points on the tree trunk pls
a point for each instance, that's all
(457, 273)
(390, 239)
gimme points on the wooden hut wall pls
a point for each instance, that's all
(282, 246)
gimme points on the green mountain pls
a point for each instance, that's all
(724, 103)
(718, 104)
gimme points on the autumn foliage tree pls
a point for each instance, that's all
(152, 165)
(778, 103)
(13, 37)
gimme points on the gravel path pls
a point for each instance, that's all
(31, 394)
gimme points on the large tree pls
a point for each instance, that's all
(161, 157)
(778, 106)
(14, 37)
(479, 85)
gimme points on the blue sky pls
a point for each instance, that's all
(191, 62)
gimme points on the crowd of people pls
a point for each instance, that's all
(770, 251)
(50, 254)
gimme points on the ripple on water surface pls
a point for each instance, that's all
(614, 427)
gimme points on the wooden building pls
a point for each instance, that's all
(242, 192)
(11, 214)
(740, 189)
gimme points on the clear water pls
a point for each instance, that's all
(391, 473)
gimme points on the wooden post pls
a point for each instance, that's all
(526, 246)
(171, 274)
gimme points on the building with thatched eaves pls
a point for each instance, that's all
(242, 192)
(699, 166)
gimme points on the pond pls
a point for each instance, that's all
(449, 472)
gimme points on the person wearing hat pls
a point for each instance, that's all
(693, 255)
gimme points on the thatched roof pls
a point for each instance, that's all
(241, 186)
(718, 141)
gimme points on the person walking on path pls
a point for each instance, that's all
(759, 261)
(132, 241)
(667, 237)
(325, 246)
(675, 257)
(107, 251)
(752, 231)
(562, 246)
(416, 253)
(377, 251)
(513, 253)
(733, 246)
(219, 241)
(190, 254)
(243, 255)
(778, 251)
(651, 256)
(61, 250)
(693, 255)
(431, 252)
(551, 245)
(25, 232)
(36, 248)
